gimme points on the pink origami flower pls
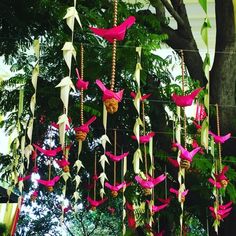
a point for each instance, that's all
(117, 32)
(220, 139)
(81, 84)
(116, 158)
(85, 127)
(185, 154)
(149, 182)
(157, 208)
(144, 97)
(63, 162)
(49, 183)
(222, 212)
(144, 138)
(109, 94)
(117, 187)
(185, 100)
(95, 203)
(49, 153)
(24, 178)
(176, 192)
(221, 181)
(173, 162)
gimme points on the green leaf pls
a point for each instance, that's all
(203, 4)
(204, 30)
(206, 63)
(204, 134)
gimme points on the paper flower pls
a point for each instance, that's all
(116, 158)
(157, 208)
(185, 100)
(81, 84)
(144, 97)
(220, 139)
(222, 212)
(24, 178)
(117, 32)
(49, 153)
(220, 181)
(185, 154)
(95, 203)
(149, 182)
(144, 138)
(109, 94)
(85, 127)
(49, 183)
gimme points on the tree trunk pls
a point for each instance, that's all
(223, 73)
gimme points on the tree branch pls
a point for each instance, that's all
(174, 13)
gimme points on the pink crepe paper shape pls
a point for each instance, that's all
(95, 203)
(63, 162)
(81, 84)
(219, 177)
(49, 183)
(24, 178)
(109, 94)
(220, 139)
(129, 206)
(117, 187)
(144, 138)
(195, 145)
(35, 193)
(150, 182)
(173, 162)
(144, 97)
(111, 210)
(200, 112)
(197, 125)
(85, 127)
(49, 153)
(214, 183)
(117, 32)
(222, 212)
(185, 100)
(56, 126)
(185, 154)
(165, 201)
(116, 158)
(157, 208)
(223, 207)
(176, 192)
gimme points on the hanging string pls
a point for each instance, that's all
(218, 133)
(144, 133)
(113, 67)
(115, 154)
(82, 90)
(95, 177)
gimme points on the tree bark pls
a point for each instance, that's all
(222, 76)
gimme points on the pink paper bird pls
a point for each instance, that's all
(198, 127)
(46, 152)
(165, 201)
(176, 192)
(116, 158)
(109, 94)
(150, 182)
(63, 162)
(157, 208)
(95, 203)
(117, 187)
(214, 183)
(81, 84)
(144, 97)
(85, 127)
(222, 212)
(219, 178)
(24, 178)
(220, 139)
(173, 162)
(49, 183)
(185, 100)
(185, 154)
(117, 32)
(221, 175)
(56, 126)
(195, 145)
(144, 138)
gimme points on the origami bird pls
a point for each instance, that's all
(165, 201)
(116, 158)
(49, 153)
(176, 192)
(24, 178)
(144, 97)
(195, 145)
(185, 100)
(185, 154)
(198, 127)
(173, 162)
(95, 203)
(220, 139)
(144, 138)
(109, 94)
(81, 84)
(157, 208)
(221, 180)
(63, 162)
(85, 127)
(56, 126)
(117, 32)
(222, 212)
(150, 182)
(117, 187)
(49, 183)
